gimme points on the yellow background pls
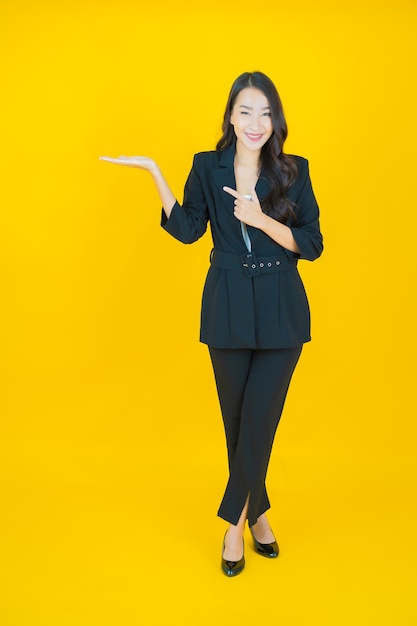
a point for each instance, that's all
(112, 459)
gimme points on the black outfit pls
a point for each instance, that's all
(255, 315)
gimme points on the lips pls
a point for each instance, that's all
(254, 137)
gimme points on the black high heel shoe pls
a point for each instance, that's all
(270, 550)
(232, 568)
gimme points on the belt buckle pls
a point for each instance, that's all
(250, 264)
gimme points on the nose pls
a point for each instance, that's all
(255, 122)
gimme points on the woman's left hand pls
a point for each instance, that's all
(247, 211)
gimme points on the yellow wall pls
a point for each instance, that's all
(100, 307)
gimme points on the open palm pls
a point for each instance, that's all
(141, 162)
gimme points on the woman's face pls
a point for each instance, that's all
(251, 119)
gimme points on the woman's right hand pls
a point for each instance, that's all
(145, 163)
(141, 162)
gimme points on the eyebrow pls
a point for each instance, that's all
(244, 106)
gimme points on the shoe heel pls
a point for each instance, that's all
(269, 550)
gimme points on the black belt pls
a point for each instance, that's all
(250, 264)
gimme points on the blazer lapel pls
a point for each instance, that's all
(262, 187)
(224, 176)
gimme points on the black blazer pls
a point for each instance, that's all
(243, 308)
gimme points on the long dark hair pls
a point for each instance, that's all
(280, 169)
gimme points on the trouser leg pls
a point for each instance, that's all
(231, 371)
(252, 386)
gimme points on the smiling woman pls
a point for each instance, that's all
(255, 315)
(246, 95)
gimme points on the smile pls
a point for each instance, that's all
(254, 137)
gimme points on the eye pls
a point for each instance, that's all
(244, 112)
(267, 114)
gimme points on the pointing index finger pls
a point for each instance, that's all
(232, 192)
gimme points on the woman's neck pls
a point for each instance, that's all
(247, 158)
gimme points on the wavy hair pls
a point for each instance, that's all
(280, 169)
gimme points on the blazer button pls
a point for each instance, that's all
(253, 266)
(269, 264)
(261, 264)
(277, 262)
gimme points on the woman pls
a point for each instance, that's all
(255, 316)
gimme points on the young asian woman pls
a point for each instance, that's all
(255, 315)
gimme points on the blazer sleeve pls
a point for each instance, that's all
(188, 222)
(306, 228)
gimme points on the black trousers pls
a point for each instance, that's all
(252, 386)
